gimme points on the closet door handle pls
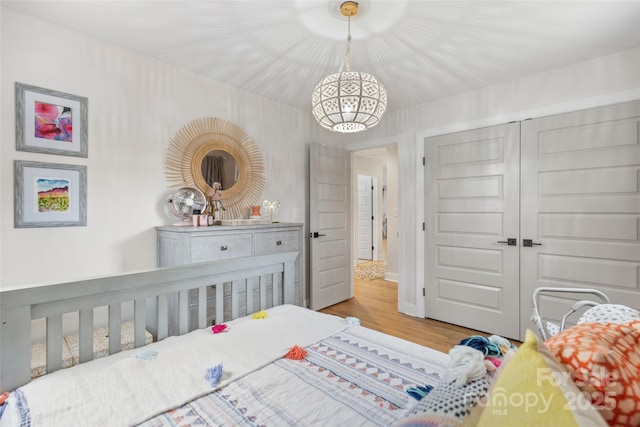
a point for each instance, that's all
(223, 248)
(279, 243)
(528, 243)
(510, 241)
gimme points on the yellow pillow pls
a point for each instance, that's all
(533, 389)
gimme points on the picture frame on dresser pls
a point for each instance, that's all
(49, 195)
(51, 122)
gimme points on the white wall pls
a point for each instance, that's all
(600, 81)
(136, 105)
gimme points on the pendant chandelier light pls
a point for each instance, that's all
(349, 101)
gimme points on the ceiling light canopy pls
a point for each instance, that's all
(349, 101)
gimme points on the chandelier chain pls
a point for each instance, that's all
(347, 55)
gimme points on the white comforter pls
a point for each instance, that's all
(132, 386)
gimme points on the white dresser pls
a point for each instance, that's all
(185, 245)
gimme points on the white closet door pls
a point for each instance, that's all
(472, 205)
(581, 203)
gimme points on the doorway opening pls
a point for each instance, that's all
(374, 184)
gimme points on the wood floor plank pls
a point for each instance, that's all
(376, 305)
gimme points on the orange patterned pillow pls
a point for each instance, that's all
(604, 361)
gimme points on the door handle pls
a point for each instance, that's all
(315, 235)
(510, 241)
(528, 243)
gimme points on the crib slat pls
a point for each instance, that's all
(263, 292)
(15, 339)
(219, 303)
(139, 318)
(235, 297)
(183, 312)
(288, 283)
(202, 307)
(54, 343)
(115, 320)
(249, 293)
(163, 317)
(274, 289)
(86, 335)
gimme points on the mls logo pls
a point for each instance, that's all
(499, 411)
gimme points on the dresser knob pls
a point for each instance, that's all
(279, 242)
(223, 248)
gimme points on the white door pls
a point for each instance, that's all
(365, 217)
(581, 204)
(471, 208)
(330, 241)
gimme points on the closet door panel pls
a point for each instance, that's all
(580, 204)
(472, 202)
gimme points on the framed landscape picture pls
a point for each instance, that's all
(50, 122)
(50, 195)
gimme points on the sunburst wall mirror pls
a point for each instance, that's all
(211, 149)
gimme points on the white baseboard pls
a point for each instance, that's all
(392, 277)
(410, 310)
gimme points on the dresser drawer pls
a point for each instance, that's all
(209, 248)
(276, 242)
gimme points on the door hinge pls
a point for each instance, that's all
(372, 188)
(371, 247)
(424, 293)
(424, 226)
(424, 161)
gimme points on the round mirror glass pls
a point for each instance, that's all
(220, 166)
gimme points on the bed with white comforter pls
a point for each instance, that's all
(351, 376)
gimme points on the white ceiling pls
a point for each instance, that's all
(421, 50)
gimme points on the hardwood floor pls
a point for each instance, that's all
(376, 305)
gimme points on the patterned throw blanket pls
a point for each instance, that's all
(353, 378)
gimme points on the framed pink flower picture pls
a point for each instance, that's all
(50, 122)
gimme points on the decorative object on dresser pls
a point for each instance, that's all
(272, 209)
(226, 154)
(51, 122)
(215, 201)
(186, 245)
(185, 202)
(255, 212)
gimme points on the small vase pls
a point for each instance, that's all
(255, 212)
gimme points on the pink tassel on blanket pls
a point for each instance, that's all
(296, 353)
(221, 327)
